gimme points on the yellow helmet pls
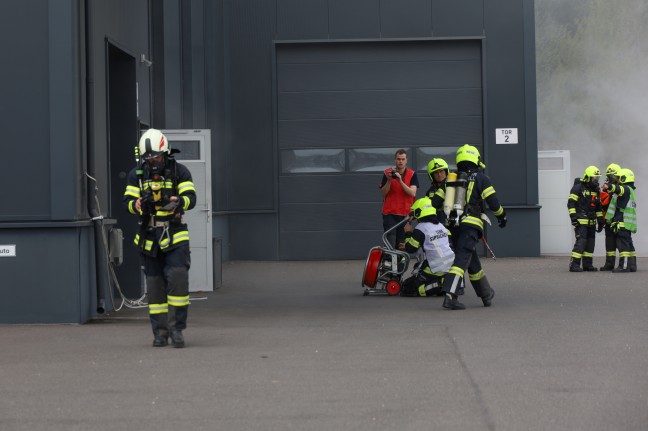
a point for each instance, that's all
(436, 165)
(626, 176)
(468, 153)
(423, 208)
(612, 169)
(591, 172)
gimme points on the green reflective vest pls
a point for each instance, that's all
(629, 213)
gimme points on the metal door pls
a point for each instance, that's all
(195, 154)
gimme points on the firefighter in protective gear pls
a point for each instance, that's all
(584, 207)
(159, 191)
(611, 177)
(622, 219)
(437, 170)
(470, 229)
(431, 238)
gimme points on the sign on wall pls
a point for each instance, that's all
(7, 251)
(506, 136)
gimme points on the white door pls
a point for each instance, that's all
(554, 183)
(195, 154)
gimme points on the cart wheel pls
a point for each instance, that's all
(371, 268)
(393, 287)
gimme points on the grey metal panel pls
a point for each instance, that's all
(458, 18)
(349, 188)
(521, 237)
(254, 237)
(302, 19)
(24, 109)
(252, 149)
(59, 291)
(405, 18)
(379, 76)
(379, 51)
(354, 19)
(379, 132)
(172, 65)
(316, 216)
(197, 70)
(504, 69)
(331, 245)
(380, 104)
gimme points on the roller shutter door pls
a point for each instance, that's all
(342, 111)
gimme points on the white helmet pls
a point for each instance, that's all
(153, 143)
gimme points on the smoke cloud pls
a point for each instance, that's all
(592, 87)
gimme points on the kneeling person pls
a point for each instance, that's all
(431, 238)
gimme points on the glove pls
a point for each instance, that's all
(615, 226)
(574, 221)
(600, 224)
(501, 220)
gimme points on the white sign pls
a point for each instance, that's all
(7, 251)
(506, 136)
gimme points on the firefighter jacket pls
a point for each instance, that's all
(584, 204)
(478, 191)
(622, 210)
(161, 223)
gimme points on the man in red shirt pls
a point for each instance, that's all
(398, 189)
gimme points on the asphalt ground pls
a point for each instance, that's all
(296, 346)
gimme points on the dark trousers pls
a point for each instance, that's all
(465, 240)
(397, 236)
(584, 245)
(167, 274)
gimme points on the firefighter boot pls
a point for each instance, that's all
(574, 265)
(587, 265)
(483, 290)
(177, 339)
(160, 330)
(609, 263)
(623, 265)
(632, 263)
(451, 303)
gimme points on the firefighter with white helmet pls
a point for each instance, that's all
(159, 191)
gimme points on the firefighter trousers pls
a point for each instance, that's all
(167, 282)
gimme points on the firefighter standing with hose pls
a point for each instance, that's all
(160, 190)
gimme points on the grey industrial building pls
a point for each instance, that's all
(304, 101)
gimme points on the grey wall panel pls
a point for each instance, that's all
(380, 104)
(59, 291)
(520, 238)
(24, 109)
(405, 18)
(504, 69)
(252, 27)
(307, 217)
(363, 188)
(327, 245)
(254, 237)
(379, 51)
(379, 132)
(378, 76)
(302, 19)
(354, 19)
(458, 18)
